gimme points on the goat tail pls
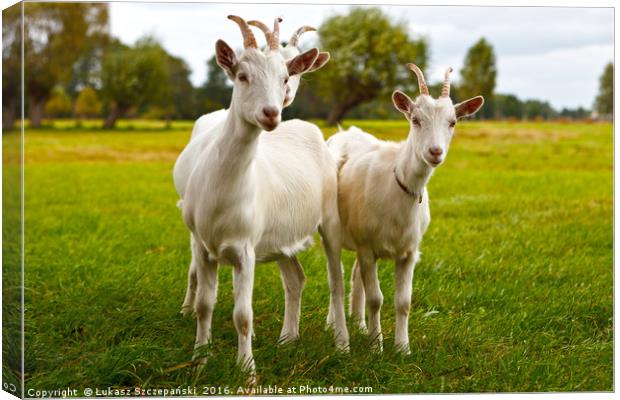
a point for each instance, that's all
(340, 130)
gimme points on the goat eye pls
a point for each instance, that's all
(242, 77)
(452, 124)
(415, 121)
(285, 81)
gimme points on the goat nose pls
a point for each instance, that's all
(271, 112)
(436, 151)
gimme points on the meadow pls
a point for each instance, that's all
(514, 291)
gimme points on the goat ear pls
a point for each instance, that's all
(402, 102)
(320, 61)
(226, 58)
(303, 62)
(468, 107)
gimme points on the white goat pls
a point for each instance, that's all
(383, 201)
(206, 125)
(289, 51)
(254, 197)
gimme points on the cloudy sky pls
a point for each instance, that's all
(554, 54)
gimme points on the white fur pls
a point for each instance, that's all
(381, 220)
(258, 196)
(212, 122)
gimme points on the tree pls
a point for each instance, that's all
(182, 95)
(478, 75)
(371, 54)
(575, 113)
(87, 104)
(11, 64)
(215, 93)
(133, 76)
(604, 102)
(536, 109)
(55, 36)
(308, 103)
(87, 69)
(59, 103)
(507, 106)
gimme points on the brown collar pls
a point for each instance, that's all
(405, 189)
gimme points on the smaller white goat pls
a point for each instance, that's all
(383, 201)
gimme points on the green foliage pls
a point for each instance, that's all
(68, 45)
(216, 91)
(536, 109)
(604, 102)
(514, 291)
(59, 104)
(56, 35)
(308, 103)
(11, 64)
(370, 54)
(133, 76)
(575, 113)
(478, 75)
(87, 103)
(181, 100)
(508, 106)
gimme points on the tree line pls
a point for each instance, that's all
(75, 68)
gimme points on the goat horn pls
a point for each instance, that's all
(295, 38)
(420, 75)
(260, 26)
(445, 90)
(273, 38)
(249, 41)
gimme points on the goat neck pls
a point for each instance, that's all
(411, 170)
(237, 142)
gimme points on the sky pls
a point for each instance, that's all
(556, 54)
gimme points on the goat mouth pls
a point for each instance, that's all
(433, 163)
(268, 125)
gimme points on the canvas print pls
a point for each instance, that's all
(225, 199)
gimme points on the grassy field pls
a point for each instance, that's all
(514, 291)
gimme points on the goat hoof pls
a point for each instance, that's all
(251, 380)
(199, 358)
(403, 349)
(287, 338)
(342, 346)
(330, 320)
(377, 347)
(199, 362)
(186, 310)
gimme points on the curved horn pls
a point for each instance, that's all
(273, 38)
(260, 26)
(249, 41)
(295, 38)
(445, 90)
(420, 75)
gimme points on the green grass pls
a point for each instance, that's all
(514, 291)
